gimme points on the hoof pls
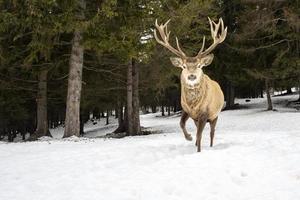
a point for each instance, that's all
(189, 137)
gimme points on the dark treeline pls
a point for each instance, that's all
(61, 61)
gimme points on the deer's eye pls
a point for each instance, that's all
(184, 66)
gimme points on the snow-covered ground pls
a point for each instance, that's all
(256, 157)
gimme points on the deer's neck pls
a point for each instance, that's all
(195, 93)
(193, 98)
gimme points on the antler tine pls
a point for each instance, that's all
(166, 25)
(222, 25)
(157, 39)
(217, 28)
(217, 38)
(211, 23)
(164, 41)
(158, 27)
(178, 47)
(224, 31)
(203, 45)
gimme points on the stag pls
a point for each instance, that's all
(201, 98)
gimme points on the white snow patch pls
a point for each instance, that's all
(256, 156)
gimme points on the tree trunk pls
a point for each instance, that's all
(125, 119)
(269, 100)
(121, 113)
(23, 136)
(121, 121)
(162, 110)
(129, 100)
(135, 99)
(81, 125)
(299, 92)
(229, 96)
(107, 117)
(10, 137)
(72, 122)
(169, 110)
(289, 91)
(175, 106)
(116, 113)
(133, 117)
(153, 109)
(96, 113)
(42, 118)
(261, 91)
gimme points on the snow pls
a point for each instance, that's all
(256, 156)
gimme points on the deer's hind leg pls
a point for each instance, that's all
(184, 118)
(213, 124)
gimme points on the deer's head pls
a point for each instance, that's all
(191, 66)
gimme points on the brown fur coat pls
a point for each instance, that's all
(207, 98)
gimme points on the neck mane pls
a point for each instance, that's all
(194, 95)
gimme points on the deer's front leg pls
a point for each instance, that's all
(200, 126)
(212, 130)
(184, 118)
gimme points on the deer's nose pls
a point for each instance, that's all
(192, 77)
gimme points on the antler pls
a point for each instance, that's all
(218, 38)
(165, 35)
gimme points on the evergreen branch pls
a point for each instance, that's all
(250, 50)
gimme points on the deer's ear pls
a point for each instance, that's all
(177, 62)
(207, 60)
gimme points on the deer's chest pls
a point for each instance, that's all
(192, 102)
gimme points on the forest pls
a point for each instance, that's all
(63, 62)
(149, 99)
